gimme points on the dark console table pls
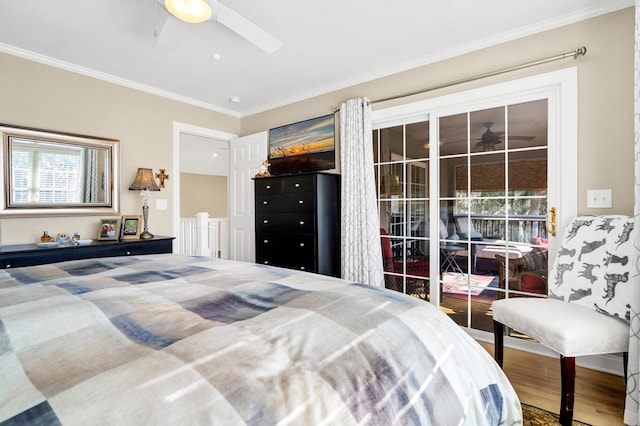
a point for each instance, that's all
(30, 254)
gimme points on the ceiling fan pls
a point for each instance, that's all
(197, 11)
(490, 139)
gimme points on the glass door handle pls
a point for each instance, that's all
(551, 221)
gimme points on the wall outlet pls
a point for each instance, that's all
(599, 198)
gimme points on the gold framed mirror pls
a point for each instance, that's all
(49, 173)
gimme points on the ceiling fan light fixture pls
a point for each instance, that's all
(487, 146)
(191, 11)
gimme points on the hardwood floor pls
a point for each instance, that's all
(599, 398)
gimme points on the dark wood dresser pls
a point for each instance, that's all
(298, 222)
(30, 254)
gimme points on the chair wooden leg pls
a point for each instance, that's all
(568, 373)
(625, 364)
(498, 346)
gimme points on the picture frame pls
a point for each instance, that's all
(131, 225)
(109, 229)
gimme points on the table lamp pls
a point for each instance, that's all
(144, 181)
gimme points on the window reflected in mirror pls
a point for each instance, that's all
(55, 173)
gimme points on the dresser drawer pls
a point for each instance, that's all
(299, 264)
(285, 243)
(289, 184)
(285, 203)
(291, 251)
(305, 183)
(268, 186)
(291, 223)
(283, 247)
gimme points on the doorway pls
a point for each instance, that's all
(186, 139)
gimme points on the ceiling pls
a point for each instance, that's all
(326, 45)
(203, 156)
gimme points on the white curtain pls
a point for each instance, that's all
(89, 180)
(632, 407)
(361, 251)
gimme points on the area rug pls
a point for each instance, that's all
(460, 286)
(534, 416)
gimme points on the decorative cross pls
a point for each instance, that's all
(162, 176)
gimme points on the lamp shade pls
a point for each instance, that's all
(191, 11)
(144, 180)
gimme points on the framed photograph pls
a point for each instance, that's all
(131, 225)
(109, 230)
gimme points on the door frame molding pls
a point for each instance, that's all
(178, 129)
(561, 89)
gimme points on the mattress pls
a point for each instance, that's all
(172, 339)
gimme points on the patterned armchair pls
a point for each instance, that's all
(588, 308)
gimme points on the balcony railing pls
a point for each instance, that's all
(520, 228)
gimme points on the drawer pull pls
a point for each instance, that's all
(301, 244)
(265, 202)
(266, 262)
(302, 222)
(301, 202)
(268, 186)
(265, 221)
(8, 265)
(297, 185)
(128, 253)
(302, 268)
(265, 241)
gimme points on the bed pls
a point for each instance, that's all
(172, 339)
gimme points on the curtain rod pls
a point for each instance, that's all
(581, 51)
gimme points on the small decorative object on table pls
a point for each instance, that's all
(63, 240)
(263, 171)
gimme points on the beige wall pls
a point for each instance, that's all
(41, 96)
(203, 193)
(605, 85)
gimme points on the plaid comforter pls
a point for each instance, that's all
(171, 339)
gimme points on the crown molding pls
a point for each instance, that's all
(550, 24)
(67, 66)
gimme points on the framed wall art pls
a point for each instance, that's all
(304, 146)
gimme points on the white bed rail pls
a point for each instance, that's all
(204, 236)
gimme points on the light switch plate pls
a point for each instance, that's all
(161, 204)
(599, 199)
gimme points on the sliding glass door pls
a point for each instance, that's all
(465, 186)
(493, 202)
(402, 173)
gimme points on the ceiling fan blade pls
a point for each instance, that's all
(245, 28)
(522, 138)
(160, 21)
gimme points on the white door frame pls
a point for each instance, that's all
(178, 129)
